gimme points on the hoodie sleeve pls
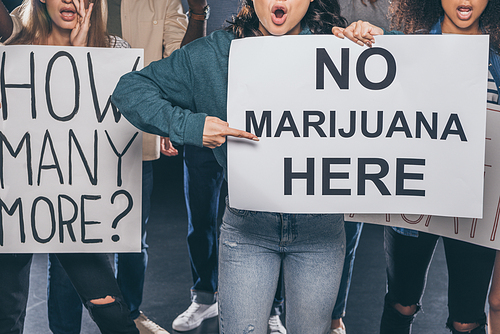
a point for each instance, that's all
(159, 99)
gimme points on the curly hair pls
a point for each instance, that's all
(37, 24)
(321, 17)
(418, 16)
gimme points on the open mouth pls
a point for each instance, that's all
(464, 12)
(68, 14)
(278, 14)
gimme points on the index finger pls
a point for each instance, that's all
(338, 31)
(88, 13)
(240, 134)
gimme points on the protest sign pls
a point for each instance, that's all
(479, 231)
(70, 165)
(343, 128)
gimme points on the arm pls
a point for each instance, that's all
(6, 25)
(174, 26)
(196, 28)
(160, 99)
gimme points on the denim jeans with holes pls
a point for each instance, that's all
(408, 260)
(64, 307)
(91, 275)
(309, 248)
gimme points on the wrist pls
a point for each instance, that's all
(199, 14)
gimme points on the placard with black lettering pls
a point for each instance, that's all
(70, 164)
(398, 127)
(483, 231)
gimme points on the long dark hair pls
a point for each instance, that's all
(418, 16)
(321, 17)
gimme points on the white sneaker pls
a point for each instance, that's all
(147, 326)
(275, 325)
(339, 330)
(194, 316)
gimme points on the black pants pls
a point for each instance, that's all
(92, 276)
(408, 260)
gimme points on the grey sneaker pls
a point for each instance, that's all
(147, 326)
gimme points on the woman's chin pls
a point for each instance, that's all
(65, 25)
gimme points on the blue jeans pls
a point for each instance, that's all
(279, 298)
(130, 268)
(352, 235)
(254, 246)
(64, 305)
(203, 178)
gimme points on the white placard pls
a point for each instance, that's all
(479, 231)
(71, 165)
(395, 128)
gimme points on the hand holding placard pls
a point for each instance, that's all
(359, 32)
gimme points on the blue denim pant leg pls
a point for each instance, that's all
(64, 307)
(352, 235)
(279, 297)
(130, 268)
(203, 178)
(253, 248)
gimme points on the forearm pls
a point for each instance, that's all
(196, 28)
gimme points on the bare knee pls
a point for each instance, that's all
(494, 302)
(406, 310)
(103, 301)
(464, 327)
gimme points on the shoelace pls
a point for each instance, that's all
(274, 323)
(150, 325)
(190, 311)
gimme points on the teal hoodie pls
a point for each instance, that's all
(171, 97)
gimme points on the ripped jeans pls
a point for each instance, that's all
(408, 259)
(92, 276)
(255, 245)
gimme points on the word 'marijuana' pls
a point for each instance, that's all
(325, 125)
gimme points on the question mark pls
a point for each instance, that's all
(125, 212)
